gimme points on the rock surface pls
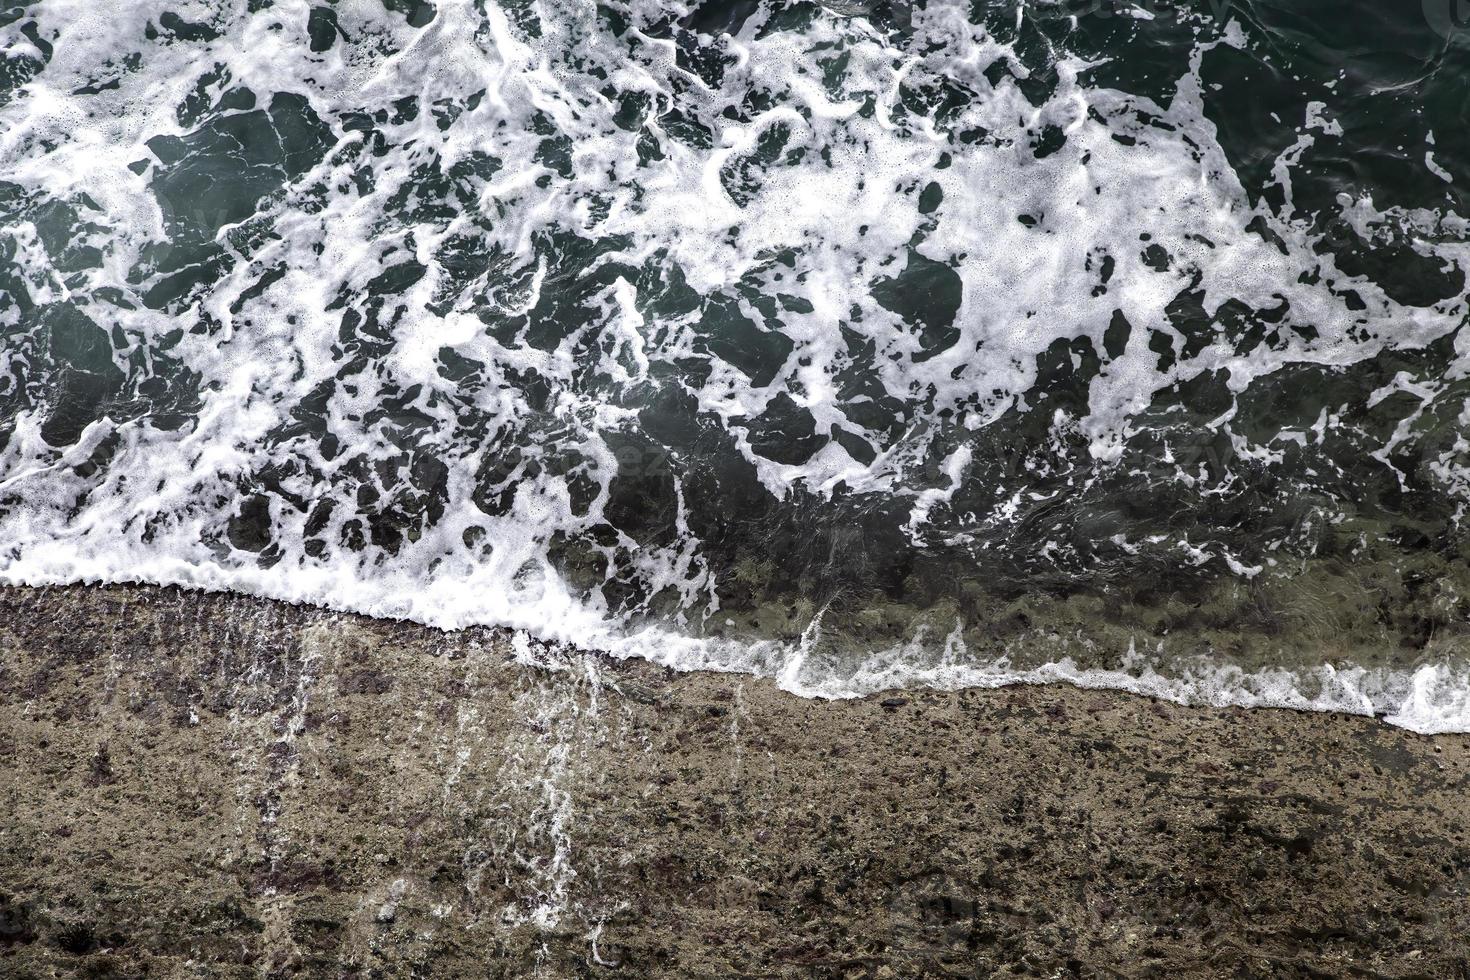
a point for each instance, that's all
(216, 786)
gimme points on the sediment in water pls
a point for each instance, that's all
(216, 785)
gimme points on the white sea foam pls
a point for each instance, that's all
(852, 163)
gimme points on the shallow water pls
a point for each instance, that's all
(861, 345)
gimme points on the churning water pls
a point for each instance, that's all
(859, 345)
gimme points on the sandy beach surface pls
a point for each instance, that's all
(215, 786)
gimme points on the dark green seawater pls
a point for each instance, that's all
(857, 344)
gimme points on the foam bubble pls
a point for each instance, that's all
(396, 320)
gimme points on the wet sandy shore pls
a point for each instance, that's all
(217, 786)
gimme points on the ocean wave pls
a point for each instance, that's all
(692, 331)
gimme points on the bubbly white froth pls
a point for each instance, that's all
(841, 200)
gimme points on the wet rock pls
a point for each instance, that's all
(365, 798)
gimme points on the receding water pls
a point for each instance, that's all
(854, 344)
